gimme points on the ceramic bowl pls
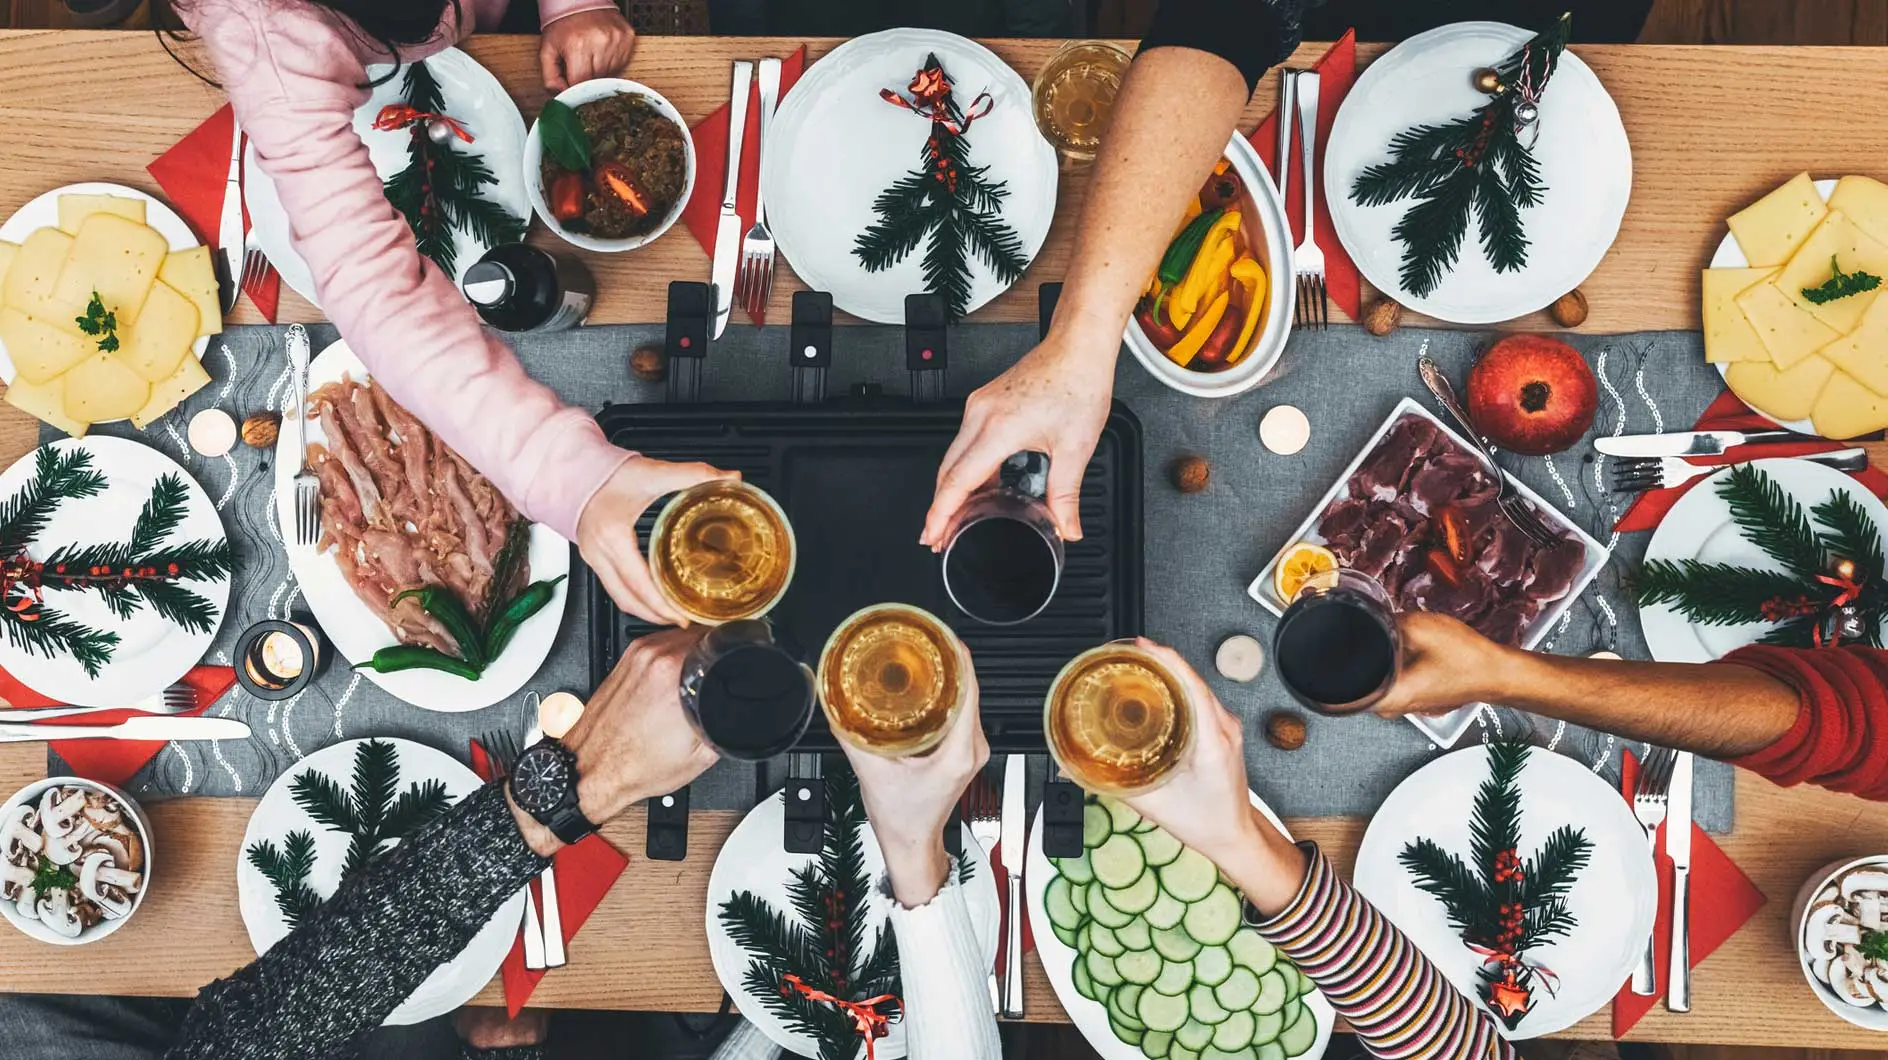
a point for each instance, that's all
(586, 92)
(142, 824)
(1874, 1017)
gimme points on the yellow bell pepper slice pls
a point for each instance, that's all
(1183, 351)
(1248, 273)
(1216, 253)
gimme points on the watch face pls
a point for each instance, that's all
(542, 779)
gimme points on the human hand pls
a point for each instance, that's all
(588, 44)
(1054, 401)
(909, 801)
(634, 741)
(606, 531)
(1445, 664)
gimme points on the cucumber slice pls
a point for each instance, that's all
(1095, 826)
(1138, 897)
(1269, 1051)
(1189, 877)
(1064, 935)
(1194, 1035)
(1239, 991)
(1212, 965)
(1121, 816)
(1165, 912)
(1058, 904)
(1271, 996)
(1104, 941)
(1296, 1039)
(1076, 869)
(1135, 936)
(1103, 913)
(1139, 966)
(1210, 1053)
(1156, 1043)
(1118, 862)
(1181, 1052)
(1214, 919)
(1293, 1011)
(1175, 977)
(1160, 846)
(1305, 985)
(1250, 950)
(1175, 945)
(1101, 969)
(1083, 942)
(1203, 1005)
(1235, 1033)
(1084, 985)
(1265, 1028)
(1162, 1012)
(1121, 1006)
(1078, 897)
(1145, 827)
(1126, 1034)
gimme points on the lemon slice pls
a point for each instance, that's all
(1302, 564)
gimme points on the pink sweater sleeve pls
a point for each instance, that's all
(295, 82)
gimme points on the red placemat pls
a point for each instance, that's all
(1338, 71)
(194, 174)
(114, 761)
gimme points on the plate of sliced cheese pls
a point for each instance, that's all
(107, 301)
(1793, 316)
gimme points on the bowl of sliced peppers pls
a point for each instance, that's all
(1215, 315)
(609, 164)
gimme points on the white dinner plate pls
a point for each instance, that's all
(473, 96)
(1614, 899)
(152, 652)
(1700, 527)
(1585, 163)
(1731, 256)
(1058, 960)
(357, 632)
(452, 984)
(837, 145)
(43, 212)
(754, 860)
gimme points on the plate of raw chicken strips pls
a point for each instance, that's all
(401, 510)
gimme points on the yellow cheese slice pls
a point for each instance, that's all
(8, 251)
(74, 209)
(118, 259)
(189, 378)
(1728, 336)
(163, 335)
(193, 275)
(1786, 395)
(46, 401)
(1834, 242)
(1789, 333)
(1847, 409)
(40, 352)
(101, 388)
(1865, 200)
(1769, 230)
(1863, 353)
(33, 277)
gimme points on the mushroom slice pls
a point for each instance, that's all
(1876, 979)
(1828, 927)
(1830, 893)
(1819, 966)
(57, 912)
(65, 849)
(1868, 910)
(1856, 881)
(28, 905)
(16, 881)
(108, 841)
(58, 812)
(1848, 986)
(101, 889)
(19, 833)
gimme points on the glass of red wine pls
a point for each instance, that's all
(1004, 559)
(1337, 647)
(747, 694)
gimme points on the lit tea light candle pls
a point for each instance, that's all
(1285, 429)
(212, 432)
(558, 713)
(276, 660)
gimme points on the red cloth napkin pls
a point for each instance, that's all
(193, 174)
(1001, 876)
(1337, 70)
(1722, 899)
(703, 211)
(1729, 413)
(585, 873)
(114, 761)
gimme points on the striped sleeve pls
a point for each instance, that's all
(1399, 1004)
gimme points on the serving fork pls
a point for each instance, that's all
(981, 806)
(1307, 259)
(1648, 805)
(1640, 474)
(307, 486)
(179, 698)
(1517, 510)
(501, 748)
(755, 282)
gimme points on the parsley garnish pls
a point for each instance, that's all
(100, 322)
(50, 877)
(1875, 945)
(1841, 285)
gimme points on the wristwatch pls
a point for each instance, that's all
(544, 785)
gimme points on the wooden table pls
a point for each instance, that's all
(1711, 128)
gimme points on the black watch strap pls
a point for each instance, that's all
(569, 824)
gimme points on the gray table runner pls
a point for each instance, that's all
(1202, 550)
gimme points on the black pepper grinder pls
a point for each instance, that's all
(519, 288)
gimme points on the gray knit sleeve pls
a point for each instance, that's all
(340, 974)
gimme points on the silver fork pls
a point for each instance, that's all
(307, 486)
(1639, 474)
(755, 282)
(1519, 513)
(255, 263)
(1314, 306)
(179, 698)
(982, 807)
(501, 748)
(1648, 805)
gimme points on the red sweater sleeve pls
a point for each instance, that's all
(1840, 739)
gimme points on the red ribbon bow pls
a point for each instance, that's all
(396, 116)
(934, 110)
(866, 1018)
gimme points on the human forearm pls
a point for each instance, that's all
(945, 976)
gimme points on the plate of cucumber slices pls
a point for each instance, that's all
(1147, 950)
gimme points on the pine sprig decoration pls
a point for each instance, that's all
(59, 474)
(287, 870)
(439, 191)
(1772, 520)
(1714, 594)
(371, 811)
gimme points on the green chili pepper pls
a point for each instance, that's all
(529, 601)
(1181, 252)
(443, 604)
(397, 657)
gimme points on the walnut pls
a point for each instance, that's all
(1569, 310)
(1190, 473)
(649, 364)
(1382, 317)
(260, 430)
(1285, 730)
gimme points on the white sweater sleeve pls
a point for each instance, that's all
(746, 1042)
(945, 973)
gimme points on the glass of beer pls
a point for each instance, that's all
(722, 551)
(1074, 95)
(893, 679)
(1118, 720)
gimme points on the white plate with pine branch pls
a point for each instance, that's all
(293, 835)
(472, 96)
(107, 637)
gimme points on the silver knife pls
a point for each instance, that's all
(1690, 443)
(229, 234)
(1678, 848)
(132, 729)
(552, 924)
(728, 229)
(1014, 846)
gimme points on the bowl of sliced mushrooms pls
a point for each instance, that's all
(1842, 939)
(76, 860)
